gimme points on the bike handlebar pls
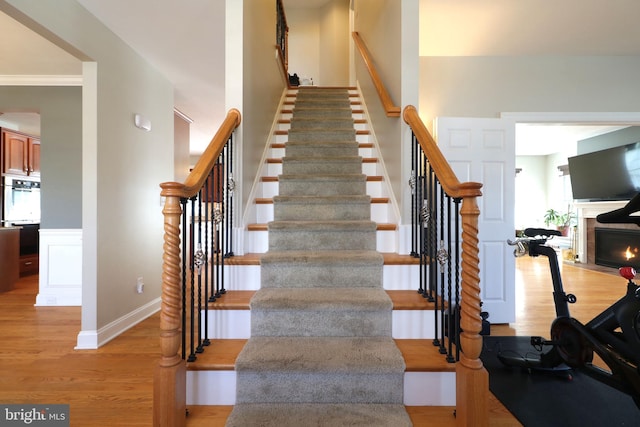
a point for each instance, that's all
(529, 245)
(542, 232)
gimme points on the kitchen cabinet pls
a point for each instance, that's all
(9, 257)
(21, 154)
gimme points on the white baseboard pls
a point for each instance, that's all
(91, 340)
(60, 282)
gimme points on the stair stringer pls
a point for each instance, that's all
(249, 215)
(394, 209)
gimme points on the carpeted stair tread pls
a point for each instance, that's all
(318, 415)
(329, 257)
(315, 123)
(309, 111)
(338, 226)
(321, 312)
(324, 134)
(322, 184)
(306, 269)
(322, 200)
(359, 355)
(328, 177)
(301, 208)
(321, 148)
(321, 165)
(321, 299)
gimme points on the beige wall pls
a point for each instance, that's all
(319, 43)
(122, 165)
(304, 43)
(384, 46)
(488, 86)
(334, 43)
(182, 160)
(262, 86)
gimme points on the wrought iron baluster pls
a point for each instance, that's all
(457, 276)
(183, 203)
(452, 327)
(192, 354)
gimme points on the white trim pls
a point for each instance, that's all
(60, 281)
(250, 214)
(613, 118)
(91, 340)
(41, 80)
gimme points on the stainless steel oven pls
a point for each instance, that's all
(21, 201)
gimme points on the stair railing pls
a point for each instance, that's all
(282, 37)
(198, 224)
(445, 238)
(391, 110)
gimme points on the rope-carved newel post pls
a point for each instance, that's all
(187, 254)
(472, 379)
(170, 375)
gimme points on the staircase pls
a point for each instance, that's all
(321, 347)
(328, 329)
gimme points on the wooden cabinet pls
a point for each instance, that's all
(21, 154)
(29, 264)
(9, 256)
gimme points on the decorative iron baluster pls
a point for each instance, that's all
(452, 327)
(192, 350)
(457, 277)
(198, 261)
(183, 203)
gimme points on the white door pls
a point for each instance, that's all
(483, 150)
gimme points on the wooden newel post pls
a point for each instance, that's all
(169, 388)
(472, 379)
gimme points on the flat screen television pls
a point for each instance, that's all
(610, 174)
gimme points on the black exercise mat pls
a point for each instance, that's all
(550, 399)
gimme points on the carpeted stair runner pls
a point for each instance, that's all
(321, 352)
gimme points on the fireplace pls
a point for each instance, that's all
(617, 247)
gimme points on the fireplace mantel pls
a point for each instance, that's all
(588, 210)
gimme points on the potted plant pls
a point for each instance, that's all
(560, 220)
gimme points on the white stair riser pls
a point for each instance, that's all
(430, 388)
(258, 241)
(394, 277)
(420, 388)
(379, 213)
(270, 189)
(405, 324)
(278, 153)
(211, 387)
(369, 169)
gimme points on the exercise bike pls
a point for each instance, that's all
(614, 334)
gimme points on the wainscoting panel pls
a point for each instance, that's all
(60, 267)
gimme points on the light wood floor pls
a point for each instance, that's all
(112, 386)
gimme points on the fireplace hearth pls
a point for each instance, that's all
(617, 247)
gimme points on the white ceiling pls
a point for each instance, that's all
(185, 41)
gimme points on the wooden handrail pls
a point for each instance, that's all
(390, 108)
(472, 379)
(442, 169)
(195, 179)
(169, 385)
(283, 51)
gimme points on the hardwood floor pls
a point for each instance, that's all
(113, 385)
